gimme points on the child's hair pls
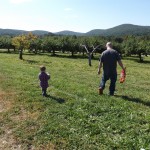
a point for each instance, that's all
(42, 68)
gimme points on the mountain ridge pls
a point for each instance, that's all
(123, 29)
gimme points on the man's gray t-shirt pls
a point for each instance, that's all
(109, 59)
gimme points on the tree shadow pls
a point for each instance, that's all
(136, 59)
(76, 56)
(31, 61)
(30, 54)
(11, 52)
(57, 55)
(59, 100)
(144, 62)
(135, 100)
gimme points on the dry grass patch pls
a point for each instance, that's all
(7, 140)
(6, 100)
(24, 115)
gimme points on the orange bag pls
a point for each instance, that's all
(122, 76)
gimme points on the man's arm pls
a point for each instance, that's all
(121, 64)
(99, 67)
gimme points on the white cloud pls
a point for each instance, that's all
(19, 1)
(71, 16)
(68, 9)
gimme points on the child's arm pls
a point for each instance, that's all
(48, 76)
(39, 76)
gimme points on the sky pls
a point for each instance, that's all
(74, 15)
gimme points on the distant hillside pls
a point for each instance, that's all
(41, 32)
(95, 32)
(14, 32)
(124, 29)
(66, 32)
(11, 32)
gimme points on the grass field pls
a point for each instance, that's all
(73, 116)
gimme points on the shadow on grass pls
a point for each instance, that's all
(64, 55)
(59, 100)
(57, 55)
(31, 61)
(11, 52)
(75, 56)
(135, 100)
(136, 59)
(144, 62)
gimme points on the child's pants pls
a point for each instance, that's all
(44, 91)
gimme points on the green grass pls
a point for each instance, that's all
(74, 116)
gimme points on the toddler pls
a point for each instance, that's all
(44, 77)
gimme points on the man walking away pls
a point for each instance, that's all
(108, 61)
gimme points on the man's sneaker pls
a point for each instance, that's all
(100, 91)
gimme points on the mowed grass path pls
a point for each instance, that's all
(74, 116)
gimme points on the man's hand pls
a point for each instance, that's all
(99, 68)
(124, 69)
(98, 72)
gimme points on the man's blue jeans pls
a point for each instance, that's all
(113, 79)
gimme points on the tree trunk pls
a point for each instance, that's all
(83, 53)
(20, 54)
(72, 53)
(92, 55)
(89, 58)
(53, 52)
(8, 50)
(35, 51)
(140, 56)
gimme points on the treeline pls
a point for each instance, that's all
(125, 45)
